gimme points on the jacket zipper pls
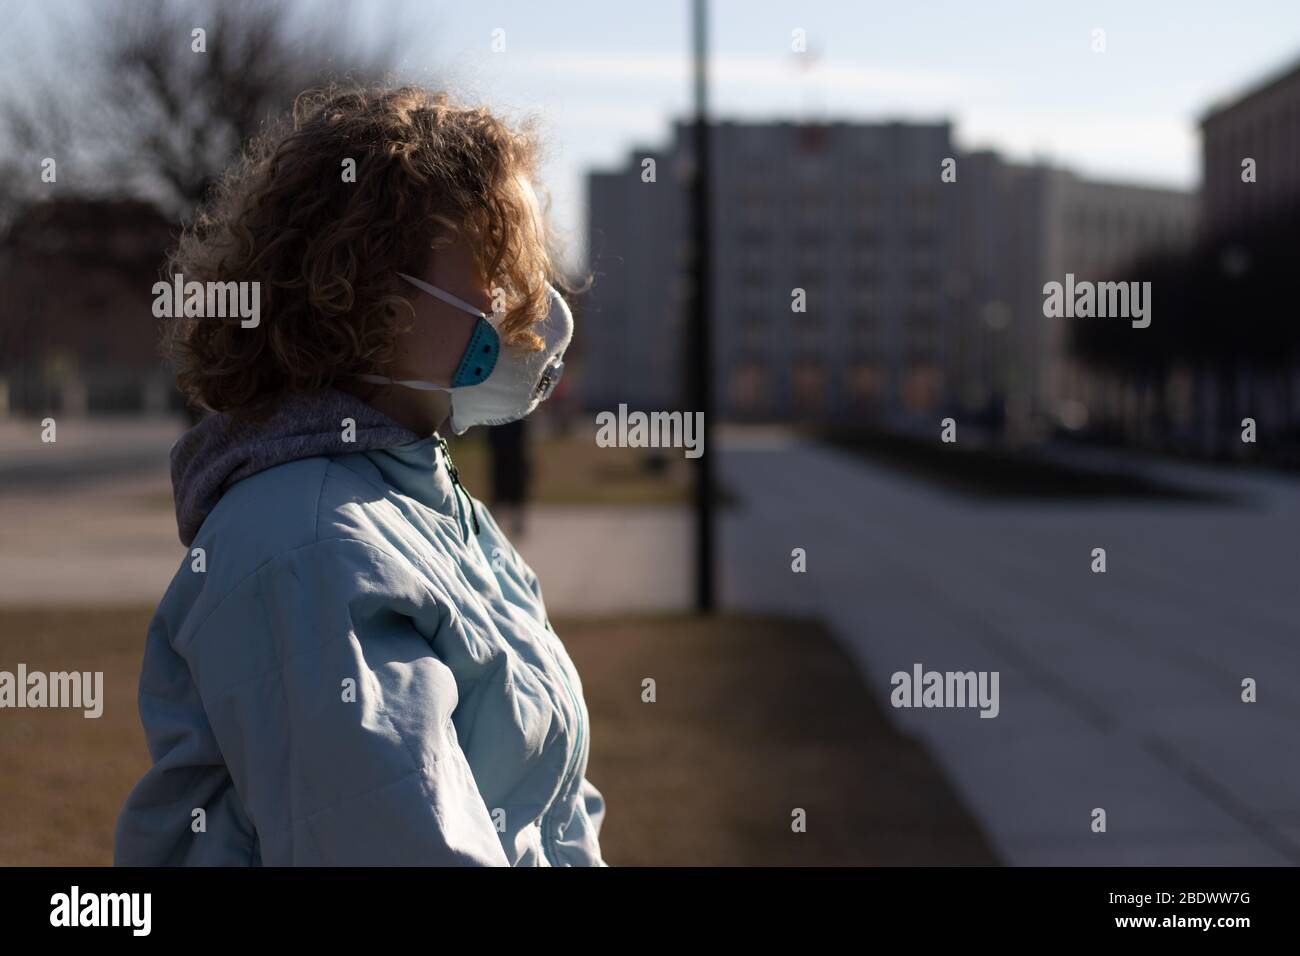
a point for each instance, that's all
(458, 488)
(549, 841)
(548, 827)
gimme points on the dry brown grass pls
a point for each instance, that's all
(754, 717)
(574, 470)
(64, 776)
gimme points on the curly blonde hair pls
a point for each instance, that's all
(326, 250)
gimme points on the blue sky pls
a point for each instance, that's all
(1015, 75)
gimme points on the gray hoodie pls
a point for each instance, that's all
(222, 450)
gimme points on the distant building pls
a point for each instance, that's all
(630, 341)
(76, 323)
(1096, 231)
(921, 295)
(852, 215)
(1262, 124)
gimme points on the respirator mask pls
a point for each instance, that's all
(495, 384)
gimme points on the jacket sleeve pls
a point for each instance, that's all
(333, 713)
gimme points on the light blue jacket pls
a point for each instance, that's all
(344, 671)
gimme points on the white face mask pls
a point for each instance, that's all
(494, 385)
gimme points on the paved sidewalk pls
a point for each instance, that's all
(88, 520)
(84, 449)
(1119, 691)
(108, 541)
(113, 541)
(608, 560)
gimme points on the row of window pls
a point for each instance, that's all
(753, 387)
(1129, 224)
(817, 235)
(817, 278)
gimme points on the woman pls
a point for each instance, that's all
(353, 665)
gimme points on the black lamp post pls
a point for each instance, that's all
(699, 350)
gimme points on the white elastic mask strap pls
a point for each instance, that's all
(447, 297)
(437, 293)
(407, 382)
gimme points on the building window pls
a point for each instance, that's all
(812, 139)
(810, 238)
(808, 385)
(864, 276)
(866, 383)
(865, 336)
(922, 206)
(922, 386)
(750, 387)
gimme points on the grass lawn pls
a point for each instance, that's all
(574, 470)
(993, 472)
(754, 717)
(567, 470)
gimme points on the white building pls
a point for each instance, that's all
(1020, 227)
(920, 295)
(850, 214)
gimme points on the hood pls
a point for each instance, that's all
(221, 450)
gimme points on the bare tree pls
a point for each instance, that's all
(172, 90)
(150, 100)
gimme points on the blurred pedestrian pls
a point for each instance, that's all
(511, 473)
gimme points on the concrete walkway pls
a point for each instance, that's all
(609, 560)
(1119, 691)
(88, 519)
(112, 540)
